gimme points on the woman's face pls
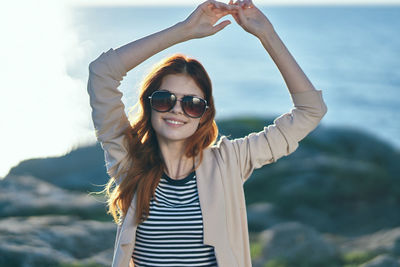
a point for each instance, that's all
(175, 125)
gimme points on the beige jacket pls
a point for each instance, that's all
(221, 174)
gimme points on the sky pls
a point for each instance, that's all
(44, 110)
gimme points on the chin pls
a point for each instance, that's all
(173, 137)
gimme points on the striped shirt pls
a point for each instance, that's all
(172, 235)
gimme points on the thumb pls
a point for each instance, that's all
(220, 26)
(241, 17)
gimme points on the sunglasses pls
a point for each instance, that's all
(164, 101)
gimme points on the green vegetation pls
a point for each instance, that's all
(78, 264)
(255, 250)
(302, 263)
(355, 258)
(276, 263)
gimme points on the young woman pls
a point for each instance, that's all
(176, 196)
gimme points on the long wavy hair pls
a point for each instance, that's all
(145, 166)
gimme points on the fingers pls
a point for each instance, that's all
(242, 3)
(239, 15)
(235, 11)
(221, 6)
(236, 17)
(217, 4)
(220, 26)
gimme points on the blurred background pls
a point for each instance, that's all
(335, 200)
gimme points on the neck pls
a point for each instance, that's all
(177, 164)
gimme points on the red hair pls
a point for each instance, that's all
(146, 166)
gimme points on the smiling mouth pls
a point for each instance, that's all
(174, 122)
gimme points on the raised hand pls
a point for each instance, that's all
(250, 18)
(201, 22)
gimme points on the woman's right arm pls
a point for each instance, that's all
(199, 24)
(108, 70)
(108, 111)
(134, 53)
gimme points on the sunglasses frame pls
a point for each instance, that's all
(180, 100)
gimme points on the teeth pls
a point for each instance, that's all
(174, 122)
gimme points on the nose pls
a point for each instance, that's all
(177, 109)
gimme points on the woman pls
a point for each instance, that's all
(178, 198)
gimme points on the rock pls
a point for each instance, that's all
(382, 261)
(293, 242)
(258, 263)
(82, 169)
(27, 195)
(51, 240)
(383, 241)
(103, 258)
(315, 217)
(336, 181)
(261, 216)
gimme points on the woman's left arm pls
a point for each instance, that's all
(282, 137)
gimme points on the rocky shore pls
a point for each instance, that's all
(334, 202)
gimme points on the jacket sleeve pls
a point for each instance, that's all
(276, 140)
(108, 114)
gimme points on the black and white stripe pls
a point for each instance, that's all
(172, 235)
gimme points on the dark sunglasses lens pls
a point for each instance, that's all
(162, 101)
(193, 106)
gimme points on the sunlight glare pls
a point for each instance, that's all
(44, 112)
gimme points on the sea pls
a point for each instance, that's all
(351, 53)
